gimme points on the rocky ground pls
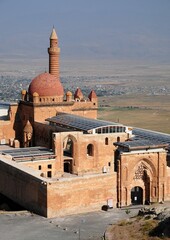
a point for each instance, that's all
(135, 222)
(150, 224)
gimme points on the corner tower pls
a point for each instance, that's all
(54, 52)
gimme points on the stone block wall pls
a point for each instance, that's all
(102, 155)
(46, 168)
(20, 185)
(6, 132)
(80, 194)
(145, 169)
(51, 198)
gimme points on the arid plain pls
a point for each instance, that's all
(144, 101)
(133, 93)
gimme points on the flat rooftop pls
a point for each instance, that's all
(155, 137)
(28, 154)
(140, 144)
(146, 139)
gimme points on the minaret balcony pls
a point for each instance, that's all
(53, 50)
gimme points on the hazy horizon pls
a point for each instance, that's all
(111, 29)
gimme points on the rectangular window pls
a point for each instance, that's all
(39, 167)
(49, 174)
(99, 130)
(49, 166)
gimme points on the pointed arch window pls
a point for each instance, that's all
(90, 150)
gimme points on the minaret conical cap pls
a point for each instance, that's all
(53, 34)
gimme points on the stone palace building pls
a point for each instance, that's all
(57, 159)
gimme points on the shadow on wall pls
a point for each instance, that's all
(7, 204)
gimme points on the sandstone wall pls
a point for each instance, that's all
(40, 112)
(43, 134)
(7, 126)
(51, 198)
(43, 166)
(102, 156)
(131, 170)
(6, 131)
(80, 194)
(168, 183)
(22, 187)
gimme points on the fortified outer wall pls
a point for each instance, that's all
(19, 185)
(80, 194)
(51, 198)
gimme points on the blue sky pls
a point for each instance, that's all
(107, 29)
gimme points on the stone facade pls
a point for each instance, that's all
(145, 170)
(90, 153)
(88, 193)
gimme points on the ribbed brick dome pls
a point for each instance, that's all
(46, 84)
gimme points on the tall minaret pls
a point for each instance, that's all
(54, 52)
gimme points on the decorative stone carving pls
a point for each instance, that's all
(140, 172)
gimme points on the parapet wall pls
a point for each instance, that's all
(17, 183)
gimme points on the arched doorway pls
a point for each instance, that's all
(68, 147)
(141, 195)
(68, 153)
(137, 195)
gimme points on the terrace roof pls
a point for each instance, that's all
(23, 154)
(75, 122)
(146, 139)
(141, 145)
(153, 136)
